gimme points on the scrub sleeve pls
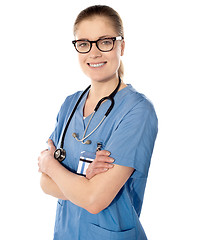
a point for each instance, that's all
(62, 118)
(131, 145)
(132, 142)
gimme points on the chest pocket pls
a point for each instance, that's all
(97, 233)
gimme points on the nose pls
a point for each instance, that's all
(95, 52)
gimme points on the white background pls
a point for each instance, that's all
(39, 68)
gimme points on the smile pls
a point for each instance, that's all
(96, 65)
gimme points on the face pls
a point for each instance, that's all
(97, 65)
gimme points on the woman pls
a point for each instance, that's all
(106, 203)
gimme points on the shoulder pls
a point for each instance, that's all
(71, 98)
(134, 103)
(138, 98)
(70, 102)
(67, 106)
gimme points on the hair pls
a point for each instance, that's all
(104, 11)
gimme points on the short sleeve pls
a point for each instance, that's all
(55, 135)
(132, 141)
(63, 114)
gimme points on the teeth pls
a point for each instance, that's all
(96, 65)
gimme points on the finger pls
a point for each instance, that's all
(91, 174)
(101, 165)
(44, 151)
(103, 152)
(51, 145)
(39, 170)
(104, 159)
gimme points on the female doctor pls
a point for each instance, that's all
(104, 201)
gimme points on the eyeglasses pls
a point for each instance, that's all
(103, 44)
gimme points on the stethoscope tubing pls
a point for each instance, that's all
(110, 97)
(70, 118)
(60, 153)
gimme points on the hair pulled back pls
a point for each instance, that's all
(104, 11)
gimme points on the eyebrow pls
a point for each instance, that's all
(101, 37)
(105, 36)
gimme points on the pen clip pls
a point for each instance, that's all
(99, 146)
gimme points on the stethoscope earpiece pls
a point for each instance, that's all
(87, 142)
(76, 137)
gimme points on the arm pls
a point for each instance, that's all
(95, 194)
(101, 164)
(50, 187)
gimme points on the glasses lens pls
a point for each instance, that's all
(82, 46)
(105, 44)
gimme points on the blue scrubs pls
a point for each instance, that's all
(129, 133)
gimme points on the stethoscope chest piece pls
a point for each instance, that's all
(60, 154)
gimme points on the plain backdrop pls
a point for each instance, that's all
(39, 68)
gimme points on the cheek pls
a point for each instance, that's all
(115, 57)
(81, 59)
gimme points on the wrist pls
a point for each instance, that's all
(51, 166)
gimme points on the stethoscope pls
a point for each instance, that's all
(60, 153)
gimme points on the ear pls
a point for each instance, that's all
(122, 47)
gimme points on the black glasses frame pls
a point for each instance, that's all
(96, 42)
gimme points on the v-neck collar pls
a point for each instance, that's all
(106, 104)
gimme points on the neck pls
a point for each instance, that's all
(98, 91)
(102, 89)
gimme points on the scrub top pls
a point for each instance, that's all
(129, 133)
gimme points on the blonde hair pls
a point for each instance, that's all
(105, 11)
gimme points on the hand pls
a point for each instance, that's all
(46, 157)
(102, 163)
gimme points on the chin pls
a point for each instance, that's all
(102, 78)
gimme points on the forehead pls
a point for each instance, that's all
(95, 27)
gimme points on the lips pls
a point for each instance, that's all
(96, 65)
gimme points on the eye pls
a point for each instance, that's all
(82, 44)
(106, 42)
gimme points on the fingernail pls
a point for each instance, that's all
(108, 153)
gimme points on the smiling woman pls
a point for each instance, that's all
(101, 48)
(100, 200)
